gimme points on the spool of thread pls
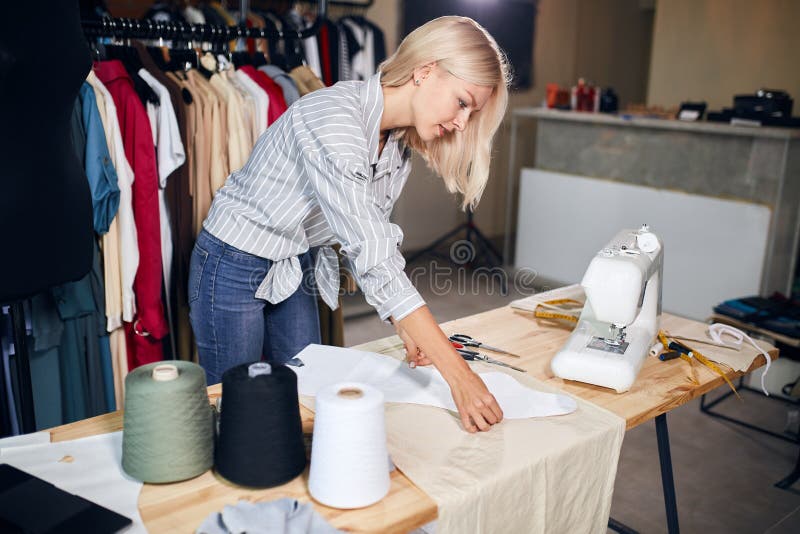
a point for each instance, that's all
(260, 440)
(349, 466)
(656, 349)
(168, 427)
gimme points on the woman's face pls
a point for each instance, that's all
(442, 103)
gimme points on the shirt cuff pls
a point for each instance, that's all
(401, 305)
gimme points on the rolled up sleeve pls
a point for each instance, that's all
(369, 241)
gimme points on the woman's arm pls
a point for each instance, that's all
(476, 405)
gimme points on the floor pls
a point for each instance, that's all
(724, 474)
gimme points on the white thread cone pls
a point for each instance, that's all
(348, 451)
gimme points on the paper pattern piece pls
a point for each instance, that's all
(325, 365)
(88, 467)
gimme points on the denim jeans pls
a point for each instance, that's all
(230, 324)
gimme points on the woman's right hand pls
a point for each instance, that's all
(478, 408)
(476, 405)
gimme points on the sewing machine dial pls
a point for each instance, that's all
(647, 242)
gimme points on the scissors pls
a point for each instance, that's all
(473, 355)
(469, 341)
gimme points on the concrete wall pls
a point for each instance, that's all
(712, 49)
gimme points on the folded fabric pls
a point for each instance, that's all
(282, 516)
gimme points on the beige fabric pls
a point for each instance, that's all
(306, 80)
(738, 360)
(119, 364)
(248, 106)
(238, 136)
(542, 475)
(213, 148)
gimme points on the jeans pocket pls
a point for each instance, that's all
(198, 264)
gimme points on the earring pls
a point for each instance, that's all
(417, 82)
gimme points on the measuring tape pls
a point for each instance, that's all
(563, 309)
(695, 355)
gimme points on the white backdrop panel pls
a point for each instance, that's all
(713, 248)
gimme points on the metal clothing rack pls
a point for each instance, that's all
(151, 29)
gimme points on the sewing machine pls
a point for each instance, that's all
(620, 319)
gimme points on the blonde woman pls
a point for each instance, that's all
(329, 171)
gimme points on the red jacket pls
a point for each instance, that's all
(137, 139)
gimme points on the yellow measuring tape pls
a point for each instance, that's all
(696, 355)
(563, 309)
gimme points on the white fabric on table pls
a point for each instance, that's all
(532, 476)
(88, 467)
(325, 365)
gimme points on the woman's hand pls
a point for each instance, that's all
(476, 405)
(478, 408)
(414, 355)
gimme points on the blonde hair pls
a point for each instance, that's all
(462, 47)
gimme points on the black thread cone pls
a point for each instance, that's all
(260, 440)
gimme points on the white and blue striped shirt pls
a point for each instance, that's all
(314, 179)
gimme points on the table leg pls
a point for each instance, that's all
(665, 458)
(791, 478)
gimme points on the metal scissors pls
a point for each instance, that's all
(469, 341)
(473, 355)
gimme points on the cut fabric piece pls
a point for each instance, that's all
(326, 365)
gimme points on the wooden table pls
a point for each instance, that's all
(661, 386)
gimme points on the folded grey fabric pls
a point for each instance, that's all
(283, 516)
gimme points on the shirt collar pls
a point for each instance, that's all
(372, 108)
(111, 70)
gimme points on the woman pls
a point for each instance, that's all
(329, 171)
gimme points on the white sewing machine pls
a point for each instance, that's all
(620, 319)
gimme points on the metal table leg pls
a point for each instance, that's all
(665, 458)
(670, 502)
(791, 478)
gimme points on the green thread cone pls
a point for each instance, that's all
(168, 432)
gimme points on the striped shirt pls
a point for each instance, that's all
(315, 178)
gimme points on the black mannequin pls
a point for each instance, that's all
(45, 206)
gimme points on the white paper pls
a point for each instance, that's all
(34, 438)
(326, 365)
(89, 467)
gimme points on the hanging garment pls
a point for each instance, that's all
(170, 155)
(179, 201)
(119, 246)
(248, 107)
(238, 138)
(9, 418)
(305, 80)
(279, 76)
(149, 327)
(126, 261)
(310, 45)
(261, 99)
(214, 110)
(198, 121)
(277, 104)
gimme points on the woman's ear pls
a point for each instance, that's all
(420, 73)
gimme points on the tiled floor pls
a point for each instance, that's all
(724, 474)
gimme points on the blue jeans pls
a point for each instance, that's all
(230, 324)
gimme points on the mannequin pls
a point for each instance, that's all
(46, 233)
(45, 206)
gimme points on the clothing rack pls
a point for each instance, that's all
(126, 28)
